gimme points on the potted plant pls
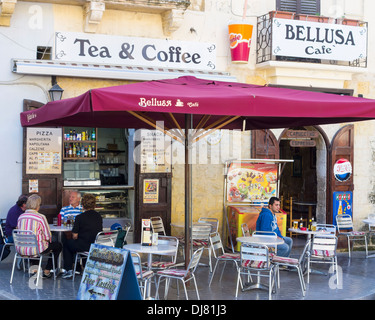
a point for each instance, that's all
(282, 15)
(315, 18)
(348, 22)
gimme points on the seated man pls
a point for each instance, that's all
(86, 226)
(267, 221)
(74, 208)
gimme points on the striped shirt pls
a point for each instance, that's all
(36, 222)
(70, 210)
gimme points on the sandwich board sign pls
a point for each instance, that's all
(109, 275)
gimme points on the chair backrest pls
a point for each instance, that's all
(171, 241)
(194, 261)
(200, 232)
(324, 245)
(1, 230)
(214, 222)
(136, 258)
(216, 244)
(265, 233)
(107, 238)
(330, 228)
(157, 225)
(25, 242)
(245, 230)
(255, 256)
(344, 222)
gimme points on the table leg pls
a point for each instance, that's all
(149, 266)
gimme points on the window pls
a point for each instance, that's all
(43, 53)
(311, 7)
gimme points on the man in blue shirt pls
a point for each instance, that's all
(267, 221)
(74, 208)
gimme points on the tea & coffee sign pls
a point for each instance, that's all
(133, 51)
(306, 39)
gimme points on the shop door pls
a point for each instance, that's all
(341, 148)
(49, 185)
(153, 203)
(264, 145)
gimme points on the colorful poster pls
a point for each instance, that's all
(251, 182)
(151, 191)
(342, 204)
(109, 275)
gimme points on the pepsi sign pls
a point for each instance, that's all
(342, 170)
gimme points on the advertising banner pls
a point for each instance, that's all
(342, 204)
(251, 182)
(109, 275)
(306, 39)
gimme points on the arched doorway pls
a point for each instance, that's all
(306, 180)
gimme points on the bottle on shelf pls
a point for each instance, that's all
(83, 135)
(87, 135)
(86, 152)
(74, 150)
(93, 152)
(300, 223)
(78, 151)
(82, 151)
(70, 134)
(93, 135)
(89, 151)
(70, 150)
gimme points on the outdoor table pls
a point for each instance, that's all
(159, 249)
(269, 241)
(59, 230)
(370, 222)
(308, 204)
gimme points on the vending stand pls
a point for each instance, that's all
(249, 184)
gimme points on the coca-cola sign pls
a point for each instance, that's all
(306, 39)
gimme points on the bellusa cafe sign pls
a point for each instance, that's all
(306, 39)
(133, 51)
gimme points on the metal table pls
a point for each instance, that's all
(370, 222)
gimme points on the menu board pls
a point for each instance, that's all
(155, 152)
(43, 150)
(251, 182)
(109, 275)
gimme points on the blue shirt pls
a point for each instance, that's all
(70, 210)
(267, 221)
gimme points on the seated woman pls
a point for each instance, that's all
(32, 220)
(86, 226)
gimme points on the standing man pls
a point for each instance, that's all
(74, 208)
(267, 221)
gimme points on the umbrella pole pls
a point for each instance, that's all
(188, 183)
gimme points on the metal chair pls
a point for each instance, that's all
(200, 235)
(245, 230)
(26, 245)
(6, 244)
(292, 263)
(143, 276)
(181, 274)
(105, 238)
(167, 260)
(345, 228)
(220, 255)
(157, 225)
(214, 222)
(323, 251)
(256, 260)
(330, 228)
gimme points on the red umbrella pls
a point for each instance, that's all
(215, 105)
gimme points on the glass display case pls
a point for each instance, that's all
(81, 173)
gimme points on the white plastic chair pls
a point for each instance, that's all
(345, 228)
(255, 260)
(26, 241)
(323, 251)
(184, 275)
(105, 238)
(220, 255)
